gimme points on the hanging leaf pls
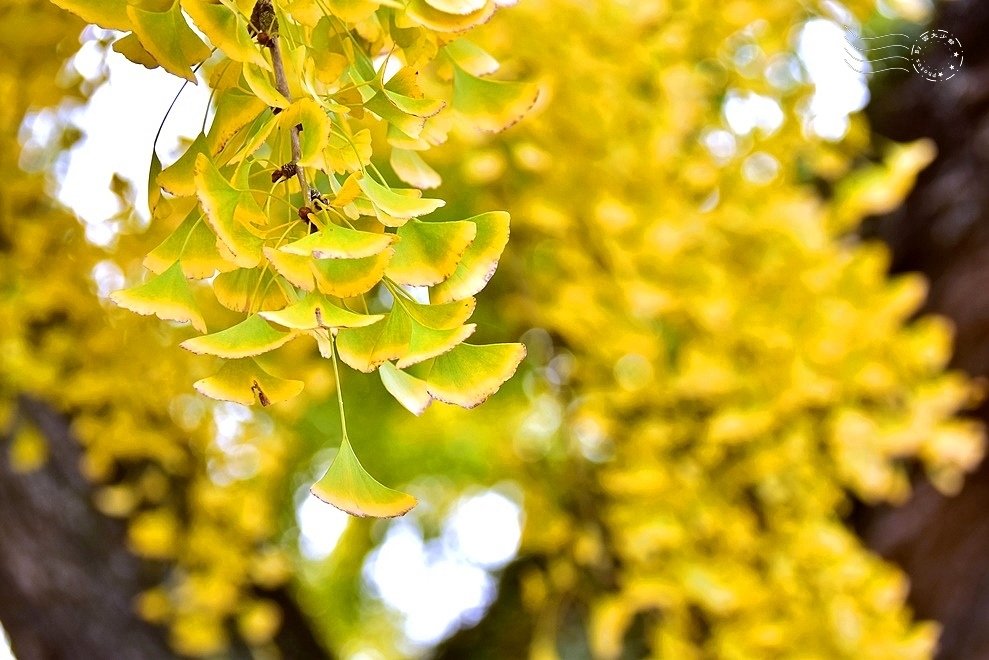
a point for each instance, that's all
(407, 204)
(179, 177)
(171, 41)
(347, 486)
(227, 211)
(344, 278)
(435, 19)
(259, 82)
(479, 261)
(441, 317)
(234, 111)
(130, 47)
(315, 130)
(193, 245)
(154, 191)
(468, 374)
(491, 105)
(246, 383)
(226, 29)
(316, 311)
(459, 7)
(413, 170)
(408, 390)
(247, 289)
(167, 296)
(336, 242)
(409, 124)
(252, 336)
(109, 14)
(428, 342)
(428, 252)
(293, 268)
(365, 348)
(471, 58)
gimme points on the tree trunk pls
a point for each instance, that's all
(943, 231)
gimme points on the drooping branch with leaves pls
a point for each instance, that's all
(281, 212)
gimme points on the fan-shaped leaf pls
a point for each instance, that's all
(292, 267)
(315, 130)
(428, 252)
(336, 242)
(413, 170)
(422, 13)
(365, 348)
(492, 105)
(247, 289)
(109, 14)
(344, 278)
(245, 382)
(225, 29)
(347, 486)
(193, 245)
(234, 111)
(171, 41)
(178, 178)
(167, 296)
(471, 57)
(316, 311)
(459, 7)
(407, 204)
(468, 374)
(479, 261)
(130, 47)
(227, 210)
(408, 390)
(252, 336)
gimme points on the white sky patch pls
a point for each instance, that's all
(119, 123)
(747, 111)
(320, 527)
(443, 584)
(838, 89)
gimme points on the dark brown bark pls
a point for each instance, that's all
(67, 580)
(943, 231)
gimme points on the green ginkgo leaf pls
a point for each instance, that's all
(441, 21)
(259, 82)
(336, 242)
(234, 110)
(193, 245)
(166, 295)
(109, 14)
(409, 124)
(413, 170)
(178, 178)
(471, 58)
(424, 107)
(365, 348)
(316, 311)
(468, 374)
(347, 486)
(344, 278)
(228, 212)
(252, 336)
(406, 204)
(491, 105)
(168, 38)
(130, 47)
(225, 29)
(428, 342)
(154, 190)
(408, 390)
(479, 261)
(293, 268)
(246, 383)
(441, 317)
(247, 289)
(428, 252)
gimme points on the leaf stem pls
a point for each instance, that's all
(336, 376)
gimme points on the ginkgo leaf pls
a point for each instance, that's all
(316, 311)
(408, 390)
(424, 107)
(471, 58)
(468, 374)
(413, 170)
(336, 242)
(225, 29)
(441, 317)
(178, 178)
(154, 190)
(130, 47)
(171, 41)
(365, 348)
(406, 204)
(109, 14)
(457, 6)
(234, 111)
(227, 211)
(428, 342)
(292, 267)
(345, 154)
(353, 11)
(428, 252)
(193, 245)
(479, 261)
(344, 278)
(245, 289)
(441, 21)
(315, 130)
(347, 486)
(252, 336)
(246, 383)
(258, 134)
(348, 192)
(409, 124)
(491, 105)
(259, 82)
(167, 296)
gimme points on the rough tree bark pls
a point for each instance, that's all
(943, 231)
(67, 580)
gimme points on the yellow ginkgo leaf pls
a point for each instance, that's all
(228, 212)
(344, 278)
(347, 486)
(479, 261)
(167, 36)
(408, 390)
(245, 382)
(252, 336)
(167, 296)
(109, 14)
(316, 311)
(468, 374)
(428, 252)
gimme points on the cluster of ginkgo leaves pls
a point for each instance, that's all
(279, 209)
